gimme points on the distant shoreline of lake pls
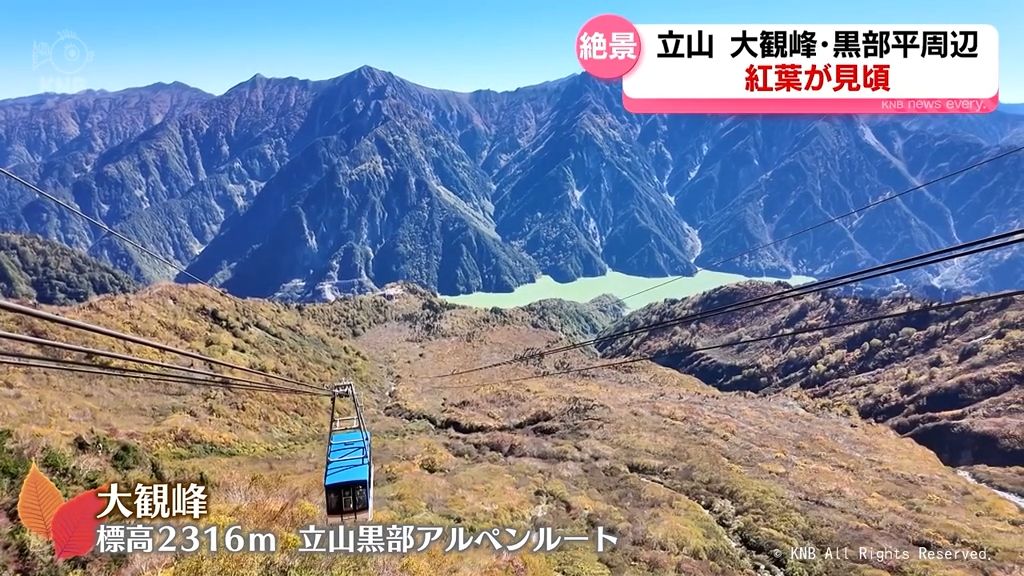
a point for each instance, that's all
(616, 283)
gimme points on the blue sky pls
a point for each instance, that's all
(459, 45)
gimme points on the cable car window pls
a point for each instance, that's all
(347, 500)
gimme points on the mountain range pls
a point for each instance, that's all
(305, 190)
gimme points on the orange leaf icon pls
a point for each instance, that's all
(75, 525)
(38, 502)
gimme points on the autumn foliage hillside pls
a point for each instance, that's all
(693, 480)
(953, 380)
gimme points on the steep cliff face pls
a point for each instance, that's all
(58, 140)
(766, 179)
(304, 190)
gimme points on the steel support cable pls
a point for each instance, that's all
(155, 363)
(79, 325)
(221, 379)
(663, 355)
(105, 228)
(45, 363)
(152, 254)
(840, 217)
(909, 263)
(933, 257)
(794, 234)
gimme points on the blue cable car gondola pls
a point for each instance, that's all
(348, 478)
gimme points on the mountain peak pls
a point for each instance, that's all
(259, 83)
(175, 86)
(372, 76)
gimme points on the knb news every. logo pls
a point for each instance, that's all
(71, 525)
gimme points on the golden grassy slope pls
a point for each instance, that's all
(694, 481)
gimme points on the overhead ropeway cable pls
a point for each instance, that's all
(833, 219)
(18, 309)
(889, 198)
(47, 343)
(980, 245)
(33, 361)
(13, 308)
(798, 332)
(105, 227)
(348, 494)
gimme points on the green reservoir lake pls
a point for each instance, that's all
(617, 283)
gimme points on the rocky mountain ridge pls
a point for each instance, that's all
(304, 190)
